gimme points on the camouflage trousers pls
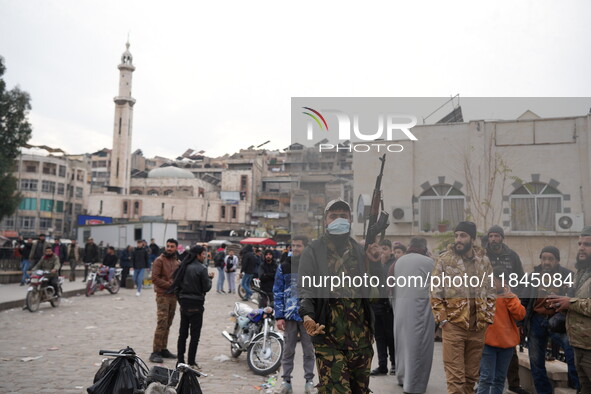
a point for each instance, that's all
(165, 308)
(343, 371)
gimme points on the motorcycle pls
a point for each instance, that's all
(40, 291)
(254, 333)
(98, 280)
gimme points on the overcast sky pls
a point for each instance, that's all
(218, 76)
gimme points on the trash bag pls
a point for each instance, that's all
(119, 378)
(189, 384)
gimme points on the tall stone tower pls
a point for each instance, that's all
(122, 127)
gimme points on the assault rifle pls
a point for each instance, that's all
(378, 218)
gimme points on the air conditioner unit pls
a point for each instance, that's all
(569, 222)
(401, 215)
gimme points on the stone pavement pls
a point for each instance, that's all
(64, 344)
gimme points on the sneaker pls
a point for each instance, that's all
(156, 358)
(379, 371)
(518, 390)
(223, 292)
(285, 388)
(167, 354)
(309, 388)
(392, 371)
(137, 294)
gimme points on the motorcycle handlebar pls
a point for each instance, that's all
(115, 353)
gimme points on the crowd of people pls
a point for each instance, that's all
(481, 326)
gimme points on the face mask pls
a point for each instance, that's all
(339, 226)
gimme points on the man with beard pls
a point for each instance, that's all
(49, 262)
(539, 317)
(267, 272)
(162, 271)
(339, 317)
(463, 312)
(414, 326)
(288, 319)
(578, 318)
(500, 255)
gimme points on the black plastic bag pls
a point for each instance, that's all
(189, 384)
(119, 378)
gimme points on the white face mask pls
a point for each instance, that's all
(339, 226)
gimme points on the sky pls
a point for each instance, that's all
(219, 76)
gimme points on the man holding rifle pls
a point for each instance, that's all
(340, 319)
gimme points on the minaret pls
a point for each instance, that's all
(121, 154)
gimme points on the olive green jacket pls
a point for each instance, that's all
(578, 318)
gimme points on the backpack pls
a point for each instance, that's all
(219, 259)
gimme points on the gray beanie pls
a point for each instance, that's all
(586, 231)
(497, 230)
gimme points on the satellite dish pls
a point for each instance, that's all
(363, 206)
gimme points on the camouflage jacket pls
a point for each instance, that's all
(578, 318)
(452, 303)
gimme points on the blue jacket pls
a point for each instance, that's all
(287, 304)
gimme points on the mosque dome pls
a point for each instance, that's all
(170, 172)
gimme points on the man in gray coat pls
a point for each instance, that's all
(414, 325)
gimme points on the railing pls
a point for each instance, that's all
(8, 261)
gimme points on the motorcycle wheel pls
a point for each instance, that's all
(241, 292)
(89, 288)
(55, 302)
(114, 286)
(33, 300)
(265, 363)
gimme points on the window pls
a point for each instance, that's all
(44, 223)
(152, 193)
(136, 208)
(48, 187)
(201, 192)
(62, 171)
(27, 222)
(233, 212)
(49, 168)
(223, 212)
(77, 209)
(243, 182)
(59, 206)
(29, 185)
(31, 166)
(441, 202)
(125, 207)
(80, 175)
(61, 189)
(8, 222)
(69, 208)
(79, 192)
(70, 191)
(534, 206)
(46, 205)
(58, 225)
(136, 192)
(28, 204)
(168, 192)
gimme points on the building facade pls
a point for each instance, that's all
(531, 176)
(55, 189)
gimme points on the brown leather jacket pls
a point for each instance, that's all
(162, 271)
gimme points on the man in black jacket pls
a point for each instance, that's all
(190, 286)
(139, 260)
(91, 255)
(500, 255)
(267, 272)
(247, 270)
(344, 351)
